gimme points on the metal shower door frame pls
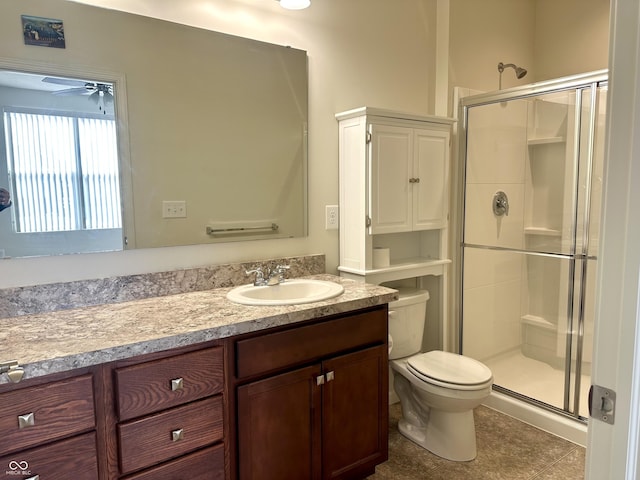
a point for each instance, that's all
(578, 83)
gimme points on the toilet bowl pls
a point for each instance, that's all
(437, 390)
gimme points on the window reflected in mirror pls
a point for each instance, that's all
(60, 162)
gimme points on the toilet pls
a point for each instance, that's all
(437, 390)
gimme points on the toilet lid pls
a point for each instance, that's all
(449, 368)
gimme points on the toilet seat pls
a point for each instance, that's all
(449, 370)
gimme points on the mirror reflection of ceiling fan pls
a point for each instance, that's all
(100, 93)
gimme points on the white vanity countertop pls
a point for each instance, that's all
(67, 339)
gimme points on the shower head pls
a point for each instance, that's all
(520, 72)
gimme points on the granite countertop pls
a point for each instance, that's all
(67, 339)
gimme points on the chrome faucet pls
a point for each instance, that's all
(273, 276)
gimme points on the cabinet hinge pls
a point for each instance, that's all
(368, 138)
(367, 221)
(602, 404)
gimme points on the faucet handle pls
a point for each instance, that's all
(280, 270)
(259, 275)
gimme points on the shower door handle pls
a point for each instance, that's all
(500, 204)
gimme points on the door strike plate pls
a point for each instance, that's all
(602, 404)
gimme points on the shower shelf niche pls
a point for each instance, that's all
(542, 231)
(532, 142)
(537, 321)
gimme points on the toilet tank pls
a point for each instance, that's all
(406, 322)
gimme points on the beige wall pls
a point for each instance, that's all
(550, 38)
(484, 33)
(571, 36)
(361, 52)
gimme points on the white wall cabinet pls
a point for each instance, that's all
(409, 174)
(394, 190)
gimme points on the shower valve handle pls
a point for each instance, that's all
(500, 204)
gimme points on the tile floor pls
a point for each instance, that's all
(507, 450)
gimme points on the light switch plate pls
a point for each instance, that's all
(174, 209)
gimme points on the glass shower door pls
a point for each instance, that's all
(525, 247)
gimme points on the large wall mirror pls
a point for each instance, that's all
(164, 134)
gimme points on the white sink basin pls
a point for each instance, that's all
(290, 292)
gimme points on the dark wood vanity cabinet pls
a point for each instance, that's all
(312, 400)
(48, 430)
(304, 401)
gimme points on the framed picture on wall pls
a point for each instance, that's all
(43, 32)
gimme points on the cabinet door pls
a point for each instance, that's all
(356, 416)
(431, 167)
(279, 427)
(390, 171)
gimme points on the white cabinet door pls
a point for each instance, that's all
(431, 171)
(390, 204)
(409, 174)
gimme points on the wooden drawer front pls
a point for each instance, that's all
(147, 388)
(59, 409)
(287, 348)
(73, 458)
(207, 464)
(149, 441)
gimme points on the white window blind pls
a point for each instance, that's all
(64, 171)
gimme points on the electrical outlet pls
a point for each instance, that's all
(174, 209)
(331, 217)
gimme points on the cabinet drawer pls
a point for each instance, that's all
(56, 410)
(73, 458)
(150, 440)
(288, 348)
(154, 386)
(207, 464)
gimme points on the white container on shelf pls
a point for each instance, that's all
(381, 257)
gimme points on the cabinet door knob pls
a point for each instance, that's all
(320, 380)
(177, 435)
(330, 376)
(177, 384)
(26, 420)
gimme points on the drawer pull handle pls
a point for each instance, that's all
(177, 384)
(26, 420)
(35, 477)
(177, 435)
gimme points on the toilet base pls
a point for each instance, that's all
(450, 435)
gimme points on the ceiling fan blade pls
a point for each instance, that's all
(65, 81)
(73, 91)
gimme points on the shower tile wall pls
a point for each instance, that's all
(492, 285)
(493, 280)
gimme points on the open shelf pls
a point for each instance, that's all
(400, 269)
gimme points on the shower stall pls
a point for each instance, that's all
(531, 162)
